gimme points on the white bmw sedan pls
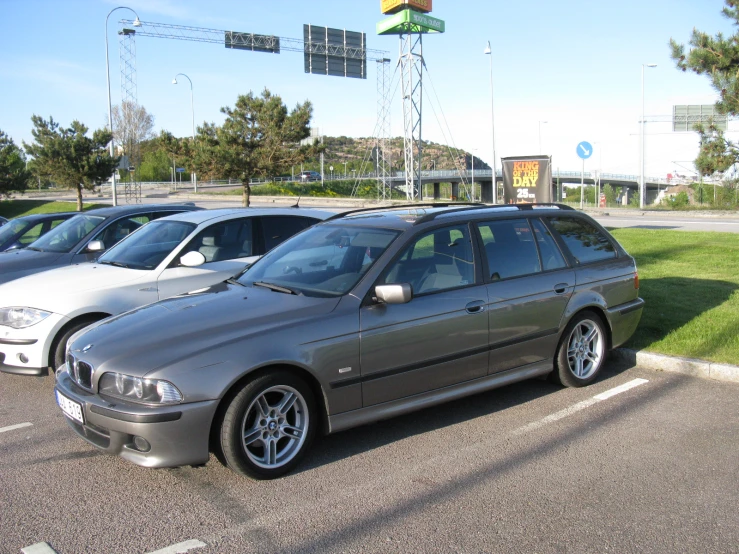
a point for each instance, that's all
(164, 258)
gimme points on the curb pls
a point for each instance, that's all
(673, 364)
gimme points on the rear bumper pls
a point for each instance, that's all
(624, 319)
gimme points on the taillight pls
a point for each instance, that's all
(636, 280)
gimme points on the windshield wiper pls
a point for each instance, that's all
(276, 288)
(233, 281)
(33, 248)
(117, 264)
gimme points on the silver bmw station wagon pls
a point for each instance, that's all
(368, 315)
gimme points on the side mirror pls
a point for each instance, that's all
(192, 259)
(394, 294)
(95, 246)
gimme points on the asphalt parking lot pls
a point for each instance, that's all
(639, 461)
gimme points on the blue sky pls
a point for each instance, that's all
(575, 64)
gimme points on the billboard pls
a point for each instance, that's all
(685, 117)
(250, 41)
(334, 52)
(410, 21)
(393, 6)
(527, 179)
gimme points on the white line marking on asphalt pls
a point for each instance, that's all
(622, 388)
(579, 406)
(14, 427)
(38, 548)
(180, 547)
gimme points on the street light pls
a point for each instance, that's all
(136, 23)
(540, 122)
(489, 52)
(642, 184)
(192, 109)
(473, 175)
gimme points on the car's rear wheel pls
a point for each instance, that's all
(268, 426)
(581, 351)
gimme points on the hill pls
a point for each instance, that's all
(355, 151)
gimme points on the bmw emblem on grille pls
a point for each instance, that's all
(86, 348)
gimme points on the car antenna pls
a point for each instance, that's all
(296, 205)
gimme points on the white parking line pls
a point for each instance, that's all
(38, 548)
(579, 406)
(14, 427)
(180, 547)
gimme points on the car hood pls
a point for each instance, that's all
(58, 289)
(16, 263)
(192, 325)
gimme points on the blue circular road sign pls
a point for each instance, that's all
(584, 150)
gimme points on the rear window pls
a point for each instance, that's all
(586, 242)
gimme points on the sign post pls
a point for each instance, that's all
(584, 150)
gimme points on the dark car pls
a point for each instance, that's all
(363, 317)
(22, 231)
(81, 238)
(306, 176)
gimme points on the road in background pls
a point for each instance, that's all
(531, 467)
(726, 222)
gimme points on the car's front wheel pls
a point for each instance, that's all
(268, 426)
(581, 351)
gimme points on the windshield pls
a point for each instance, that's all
(66, 235)
(147, 247)
(326, 260)
(11, 228)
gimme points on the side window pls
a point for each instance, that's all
(31, 234)
(276, 229)
(439, 260)
(56, 222)
(120, 229)
(551, 257)
(509, 248)
(587, 243)
(224, 241)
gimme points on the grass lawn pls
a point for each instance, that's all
(18, 208)
(690, 282)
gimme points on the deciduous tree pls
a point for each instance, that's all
(69, 157)
(132, 125)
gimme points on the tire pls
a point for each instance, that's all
(260, 439)
(58, 347)
(581, 351)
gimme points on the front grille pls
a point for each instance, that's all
(84, 374)
(80, 372)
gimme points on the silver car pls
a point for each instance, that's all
(368, 315)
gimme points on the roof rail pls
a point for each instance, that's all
(526, 206)
(402, 206)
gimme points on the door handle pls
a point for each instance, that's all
(475, 307)
(560, 288)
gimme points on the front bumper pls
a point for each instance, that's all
(31, 343)
(177, 434)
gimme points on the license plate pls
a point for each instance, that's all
(70, 407)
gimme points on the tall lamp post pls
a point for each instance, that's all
(489, 52)
(136, 23)
(192, 109)
(540, 122)
(642, 183)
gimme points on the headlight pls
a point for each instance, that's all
(138, 389)
(18, 318)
